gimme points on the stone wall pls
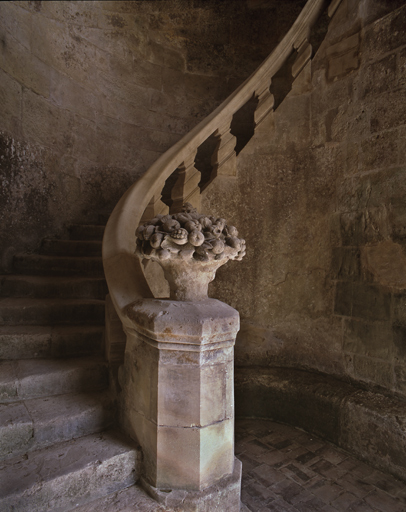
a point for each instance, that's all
(92, 93)
(320, 197)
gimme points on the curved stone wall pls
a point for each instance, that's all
(320, 198)
(369, 425)
(93, 92)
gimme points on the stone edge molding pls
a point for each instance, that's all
(368, 424)
(123, 270)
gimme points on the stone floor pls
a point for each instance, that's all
(288, 470)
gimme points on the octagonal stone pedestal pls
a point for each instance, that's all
(178, 389)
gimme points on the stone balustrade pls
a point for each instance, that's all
(177, 378)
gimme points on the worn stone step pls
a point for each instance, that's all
(71, 247)
(64, 476)
(38, 341)
(136, 499)
(32, 424)
(86, 231)
(28, 311)
(34, 378)
(133, 498)
(40, 264)
(55, 286)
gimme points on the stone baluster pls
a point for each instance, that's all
(155, 207)
(224, 159)
(304, 54)
(186, 188)
(265, 101)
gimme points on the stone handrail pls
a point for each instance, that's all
(124, 274)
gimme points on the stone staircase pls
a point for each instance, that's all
(59, 447)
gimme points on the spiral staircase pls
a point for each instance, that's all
(60, 447)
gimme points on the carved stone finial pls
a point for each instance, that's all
(190, 247)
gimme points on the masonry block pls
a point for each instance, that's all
(385, 35)
(376, 371)
(370, 302)
(379, 151)
(368, 338)
(343, 57)
(346, 263)
(389, 112)
(373, 426)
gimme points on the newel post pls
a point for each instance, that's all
(178, 375)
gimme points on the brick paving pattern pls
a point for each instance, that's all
(288, 470)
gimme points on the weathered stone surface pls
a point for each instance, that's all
(114, 336)
(224, 496)
(199, 323)
(379, 151)
(379, 76)
(37, 423)
(11, 97)
(386, 261)
(385, 34)
(373, 427)
(16, 429)
(35, 378)
(329, 207)
(178, 398)
(373, 371)
(40, 478)
(346, 263)
(103, 90)
(372, 339)
(124, 501)
(343, 57)
(370, 425)
(305, 399)
(14, 311)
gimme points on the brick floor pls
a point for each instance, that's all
(287, 470)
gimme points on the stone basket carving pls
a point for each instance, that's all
(190, 247)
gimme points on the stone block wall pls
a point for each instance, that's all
(92, 93)
(369, 249)
(320, 198)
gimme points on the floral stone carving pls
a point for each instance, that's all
(190, 247)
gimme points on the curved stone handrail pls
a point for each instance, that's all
(124, 275)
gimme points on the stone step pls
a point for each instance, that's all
(69, 474)
(71, 247)
(40, 264)
(28, 311)
(131, 499)
(86, 232)
(38, 341)
(35, 378)
(53, 286)
(32, 424)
